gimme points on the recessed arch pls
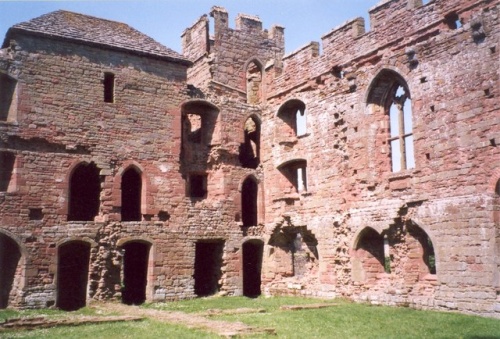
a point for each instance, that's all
(295, 172)
(293, 114)
(249, 202)
(249, 154)
(13, 269)
(200, 122)
(73, 261)
(254, 78)
(389, 97)
(84, 189)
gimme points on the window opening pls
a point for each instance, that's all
(401, 130)
(453, 21)
(72, 275)
(497, 188)
(84, 193)
(249, 192)
(293, 113)
(252, 267)
(194, 125)
(109, 87)
(7, 160)
(131, 195)
(7, 97)
(10, 258)
(208, 267)
(198, 185)
(250, 149)
(296, 174)
(135, 272)
(254, 83)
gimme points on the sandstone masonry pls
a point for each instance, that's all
(370, 170)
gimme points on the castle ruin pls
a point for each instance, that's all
(369, 170)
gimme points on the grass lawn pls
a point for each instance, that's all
(344, 320)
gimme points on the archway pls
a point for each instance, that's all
(72, 275)
(135, 272)
(10, 258)
(207, 267)
(252, 267)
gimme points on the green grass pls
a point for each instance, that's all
(344, 320)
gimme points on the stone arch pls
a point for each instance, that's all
(294, 174)
(200, 122)
(421, 255)
(13, 257)
(249, 154)
(137, 269)
(389, 97)
(83, 191)
(254, 81)
(367, 255)
(252, 255)
(73, 267)
(293, 114)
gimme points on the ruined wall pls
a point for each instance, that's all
(293, 156)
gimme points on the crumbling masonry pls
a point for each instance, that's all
(369, 170)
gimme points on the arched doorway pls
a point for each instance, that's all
(135, 272)
(72, 275)
(10, 258)
(252, 267)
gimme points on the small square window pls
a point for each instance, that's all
(198, 185)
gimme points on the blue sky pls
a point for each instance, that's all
(304, 20)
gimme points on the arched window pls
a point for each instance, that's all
(131, 195)
(295, 172)
(249, 191)
(250, 149)
(254, 83)
(389, 94)
(84, 193)
(293, 114)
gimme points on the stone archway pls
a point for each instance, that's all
(10, 261)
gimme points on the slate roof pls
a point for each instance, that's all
(95, 31)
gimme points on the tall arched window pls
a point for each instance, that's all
(131, 195)
(249, 192)
(254, 83)
(389, 95)
(84, 193)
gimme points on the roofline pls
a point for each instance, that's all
(14, 30)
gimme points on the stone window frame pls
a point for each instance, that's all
(259, 65)
(67, 187)
(9, 88)
(259, 197)
(248, 142)
(201, 193)
(379, 99)
(290, 170)
(289, 113)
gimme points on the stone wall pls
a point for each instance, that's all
(336, 213)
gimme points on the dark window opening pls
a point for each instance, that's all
(131, 195)
(7, 160)
(453, 21)
(36, 214)
(293, 114)
(72, 275)
(135, 271)
(207, 267)
(295, 173)
(10, 257)
(163, 216)
(84, 193)
(254, 83)
(250, 149)
(497, 188)
(7, 97)
(249, 199)
(198, 185)
(252, 267)
(109, 87)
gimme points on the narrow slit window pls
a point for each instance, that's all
(109, 87)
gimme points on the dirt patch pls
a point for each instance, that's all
(43, 322)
